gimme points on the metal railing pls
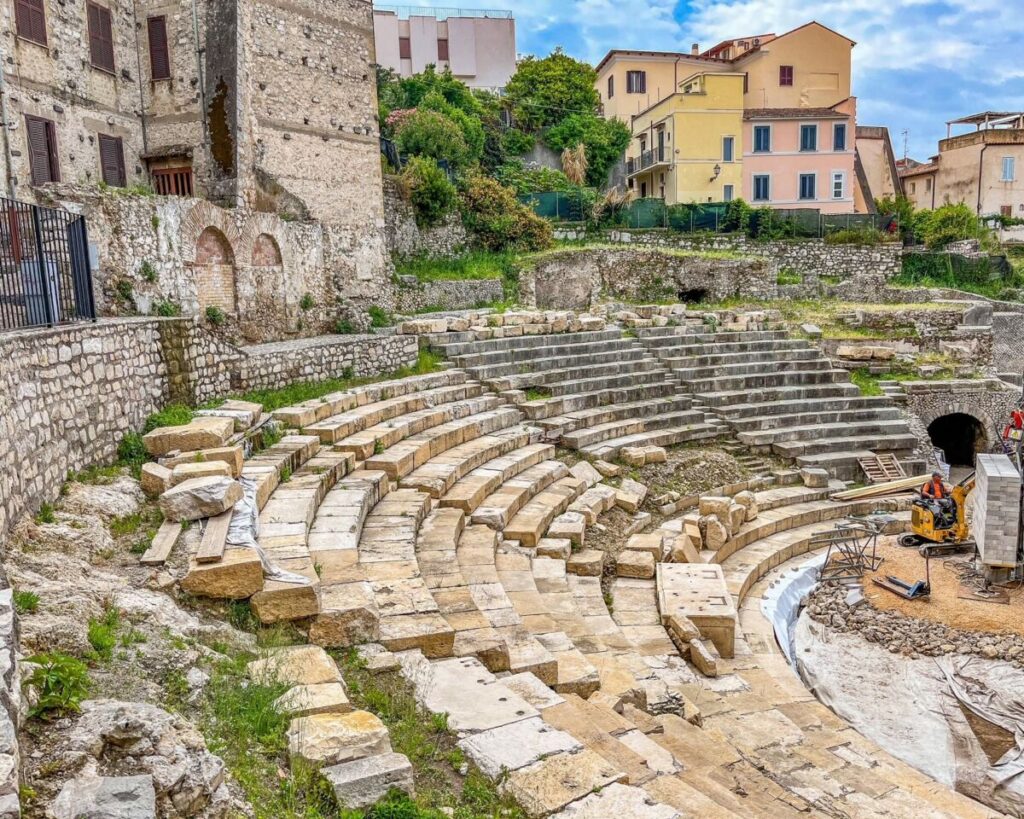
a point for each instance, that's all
(647, 159)
(444, 13)
(45, 275)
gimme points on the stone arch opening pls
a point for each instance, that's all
(960, 436)
(693, 295)
(266, 252)
(215, 270)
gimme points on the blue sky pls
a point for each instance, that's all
(917, 63)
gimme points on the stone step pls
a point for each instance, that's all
(767, 380)
(742, 413)
(470, 491)
(688, 373)
(582, 419)
(727, 337)
(670, 436)
(683, 360)
(627, 382)
(687, 347)
(476, 361)
(504, 503)
(578, 372)
(764, 429)
(438, 475)
(318, 409)
(388, 433)
(892, 441)
(823, 431)
(531, 522)
(844, 465)
(570, 359)
(635, 610)
(402, 458)
(539, 409)
(721, 401)
(527, 342)
(338, 427)
(630, 426)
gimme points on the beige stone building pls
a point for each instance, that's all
(479, 47)
(876, 163)
(261, 107)
(983, 169)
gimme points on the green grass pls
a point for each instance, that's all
(537, 393)
(426, 362)
(431, 748)
(45, 514)
(170, 416)
(866, 382)
(565, 247)
(103, 633)
(379, 317)
(471, 266)
(25, 602)
(788, 276)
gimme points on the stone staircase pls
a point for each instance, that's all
(780, 395)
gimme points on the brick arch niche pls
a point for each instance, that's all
(215, 270)
(266, 252)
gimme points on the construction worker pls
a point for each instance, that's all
(936, 497)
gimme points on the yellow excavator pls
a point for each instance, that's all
(940, 530)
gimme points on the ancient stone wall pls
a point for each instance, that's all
(988, 400)
(416, 297)
(69, 394)
(406, 239)
(575, 279)
(808, 257)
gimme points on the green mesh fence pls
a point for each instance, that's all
(559, 206)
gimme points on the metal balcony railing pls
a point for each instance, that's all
(404, 12)
(648, 159)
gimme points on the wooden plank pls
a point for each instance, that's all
(211, 547)
(163, 541)
(887, 488)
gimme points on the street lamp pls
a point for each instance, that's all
(717, 170)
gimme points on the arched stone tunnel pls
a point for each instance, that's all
(960, 436)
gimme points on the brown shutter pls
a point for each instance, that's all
(112, 160)
(30, 20)
(159, 55)
(42, 150)
(101, 37)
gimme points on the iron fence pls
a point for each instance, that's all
(45, 276)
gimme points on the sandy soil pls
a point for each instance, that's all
(944, 606)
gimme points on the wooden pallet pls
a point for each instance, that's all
(882, 468)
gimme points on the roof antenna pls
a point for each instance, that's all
(906, 137)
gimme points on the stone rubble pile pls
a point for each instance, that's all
(909, 636)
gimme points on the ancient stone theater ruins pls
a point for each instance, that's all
(635, 527)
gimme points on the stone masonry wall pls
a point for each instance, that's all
(69, 394)
(406, 239)
(463, 294)
(812, 257)
(574, 279)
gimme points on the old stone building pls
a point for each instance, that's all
(264, 108)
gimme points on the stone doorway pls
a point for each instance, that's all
(960, 436)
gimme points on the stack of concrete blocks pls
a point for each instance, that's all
(996, 511)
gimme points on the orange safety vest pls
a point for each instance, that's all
(937, 490)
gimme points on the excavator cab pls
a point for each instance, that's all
(934, 522)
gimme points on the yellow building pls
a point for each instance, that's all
(688, 147)
(632, 81)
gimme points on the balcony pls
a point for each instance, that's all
(647, 160)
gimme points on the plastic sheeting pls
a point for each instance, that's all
(244, 531)
(912, 708)
(781, 601)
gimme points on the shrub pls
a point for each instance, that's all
(516, 142)
(215, 315)
(469, 125)
(307, 302)
(61, 682)
(532, 180)
(604, 140)
(124, 290)
(432, 135)
(147, 271)
(45, 513)
(427, 187)
(498, 221)
(379, 317)
(166, 308)
(950, 223)
(131, 449)
(737, 217)
(344, 327)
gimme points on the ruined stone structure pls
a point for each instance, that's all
(265, 109)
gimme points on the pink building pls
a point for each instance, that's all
(800, 157)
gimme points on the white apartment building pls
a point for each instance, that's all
(478, 45)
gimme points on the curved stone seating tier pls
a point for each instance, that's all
(781, 395)
(539, 409)
(339, 427)
(664, 437)
(579, 420)
(622, 427)
(473, 488)
(509, 496)
(319, 409)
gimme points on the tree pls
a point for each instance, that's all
(470, 125)
(428, 189)
(433, 135)
(605, 141)
(545, 91)
(498, 221)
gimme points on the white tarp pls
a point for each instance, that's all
(912, 708)
(781, 601)
(244, 532)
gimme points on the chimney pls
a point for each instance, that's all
(695, 49)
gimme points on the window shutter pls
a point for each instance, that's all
(41, 150)
(30, 20)
(101, 37)
(159, 54)
(112, 160)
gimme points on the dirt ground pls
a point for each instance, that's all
(944, 606)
